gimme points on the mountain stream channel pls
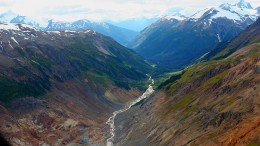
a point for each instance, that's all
(111, 120)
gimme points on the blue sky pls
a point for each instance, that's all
(108, 9)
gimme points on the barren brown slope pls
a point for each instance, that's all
(209, 103)
(213, 103)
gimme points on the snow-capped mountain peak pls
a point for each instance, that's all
(14, 26)
(38, 23)
(242, 8)
(59, 25)
(240, 11)
(221, 13)
(243, 4)
(225, 6)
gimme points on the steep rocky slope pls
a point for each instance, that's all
(60, 87)
(249, 36)
(209, 103)
(155, 29)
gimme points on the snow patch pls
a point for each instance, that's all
(199, 14)
(57, 32)
(10, 45)
(14, 40)
(226, 14)
(35, 62)
(174, 17)
(70, 31)
(219, 39)
(9, 26)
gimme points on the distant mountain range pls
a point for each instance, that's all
(122, 35)
(136, 24)
(177, 41)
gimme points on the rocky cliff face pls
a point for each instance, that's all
(210, 103)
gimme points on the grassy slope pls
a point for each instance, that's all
(75, 58)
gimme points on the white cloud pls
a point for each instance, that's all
(107, 9)
(6, 2)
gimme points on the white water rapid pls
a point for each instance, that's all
(111, 120)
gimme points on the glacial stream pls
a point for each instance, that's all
(111, 120)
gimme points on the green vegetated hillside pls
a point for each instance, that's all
(30, 67)
(215, 102)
